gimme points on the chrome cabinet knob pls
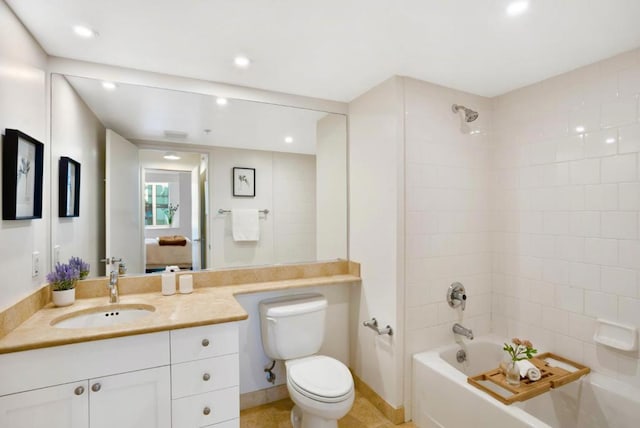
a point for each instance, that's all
(79, 390)
(206, 377)
(205, 342)
(96, 387)
(206, 411)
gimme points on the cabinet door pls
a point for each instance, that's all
(140, 399)
(60, 406)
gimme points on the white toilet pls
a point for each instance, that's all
(321, 387)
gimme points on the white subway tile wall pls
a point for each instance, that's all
(565, 237)
(448, 203)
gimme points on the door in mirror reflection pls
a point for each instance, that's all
(122, 201)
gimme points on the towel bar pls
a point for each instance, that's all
(221, 211)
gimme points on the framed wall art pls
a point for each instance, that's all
(22, 162)
(244, 182)
(68, 188)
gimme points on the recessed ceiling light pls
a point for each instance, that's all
(86, 32)
(579, 128)
(221, 101)
(171, 156)
(288, 140)
(109, 86)
(610, 140)
(241, 61)
(517, 7)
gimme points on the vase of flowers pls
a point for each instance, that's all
(171, 212)
(63, 280)
(517, 350)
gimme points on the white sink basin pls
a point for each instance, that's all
(104, 316)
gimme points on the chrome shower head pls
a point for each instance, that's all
(469, 115)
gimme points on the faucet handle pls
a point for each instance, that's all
(456, 295)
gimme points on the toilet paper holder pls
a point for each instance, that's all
(373, 325)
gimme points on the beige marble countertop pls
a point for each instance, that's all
(206, 305)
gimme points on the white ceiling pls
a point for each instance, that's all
(337, 49)
(145, 113)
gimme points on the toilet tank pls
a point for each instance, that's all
(293, 326)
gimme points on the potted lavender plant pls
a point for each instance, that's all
(63, 280)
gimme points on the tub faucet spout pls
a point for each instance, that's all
(459, 329)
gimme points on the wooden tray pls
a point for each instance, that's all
(552, 377)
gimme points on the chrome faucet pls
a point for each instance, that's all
(114, 297)
(458, 329)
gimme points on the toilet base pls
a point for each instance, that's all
(301, 420)
(296, 417)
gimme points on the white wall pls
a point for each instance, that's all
(376, 174)
(447, 217)
(294, 207)
(252, 357)
(77, 133)
(331, 194)
(566, 213)
(226, 252)
(285, 184)
(23, 106)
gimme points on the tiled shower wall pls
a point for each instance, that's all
(447, 214)
(566, 211)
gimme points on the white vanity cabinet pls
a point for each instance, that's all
(183, 378)
(205, 377)
(56, 406)
(123, 382)
(138, 399)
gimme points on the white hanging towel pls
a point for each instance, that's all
(245, 225)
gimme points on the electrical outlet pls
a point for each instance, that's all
(35, 264)
(56, 254)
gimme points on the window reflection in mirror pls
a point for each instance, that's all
(156, 205)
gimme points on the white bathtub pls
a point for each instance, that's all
(443, 398)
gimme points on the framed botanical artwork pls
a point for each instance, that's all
(244, 182)
(68, 188)
(22, 162)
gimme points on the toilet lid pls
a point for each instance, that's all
(320, 377)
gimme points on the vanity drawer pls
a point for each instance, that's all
(203, 342)
(206, 409)
(233, 423)
(200, 376)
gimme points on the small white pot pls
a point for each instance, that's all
(63, 297)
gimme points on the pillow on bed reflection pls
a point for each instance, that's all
(175, 240)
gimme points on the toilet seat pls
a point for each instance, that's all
(320, 378)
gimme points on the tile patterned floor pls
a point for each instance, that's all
(276, 415)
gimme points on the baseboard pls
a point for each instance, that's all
(394, 414)
(263, 396)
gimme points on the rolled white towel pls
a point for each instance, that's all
(534, 374)
(524, 366)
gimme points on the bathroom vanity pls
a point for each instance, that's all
(179, 378)
(177, 366)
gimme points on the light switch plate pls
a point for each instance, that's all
(56, 254)
(35, 264)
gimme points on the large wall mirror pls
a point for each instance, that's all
(174, 178)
